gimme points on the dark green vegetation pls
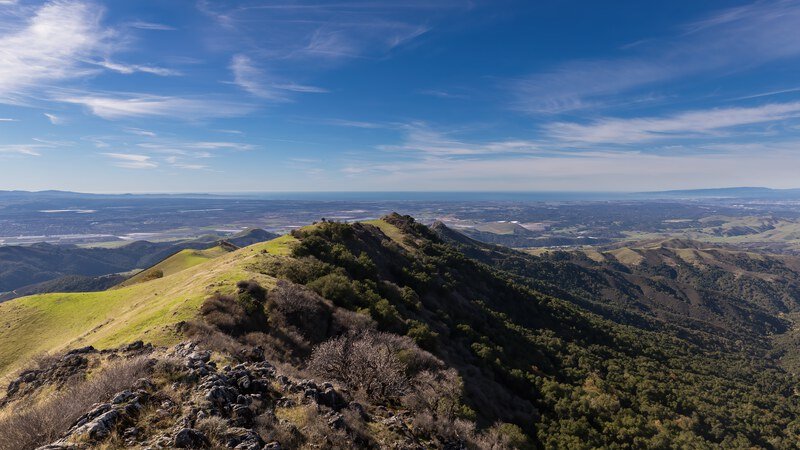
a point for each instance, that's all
(41, 268)
(577, 353)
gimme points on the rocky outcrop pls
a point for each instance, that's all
(105, 418)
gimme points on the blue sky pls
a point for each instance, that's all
(179, 96)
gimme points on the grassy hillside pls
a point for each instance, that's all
(27, 268)
(147, 310)
(180, 261)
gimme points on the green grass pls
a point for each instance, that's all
(391, 231)
(281, 246)
(178, 262)
(149, 311)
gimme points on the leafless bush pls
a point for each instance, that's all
(437, 393)
(211, 338)
(40, 423)
(346, 320)
(368, 361)
(43, 361)
(295, 306)
(456, 430)
(502, 436)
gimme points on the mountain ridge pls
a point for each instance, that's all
(537, 347)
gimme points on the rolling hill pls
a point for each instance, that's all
(26, 268)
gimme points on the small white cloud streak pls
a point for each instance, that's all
(5, 119)
(21, 149)
(686, 124)
(119, 107)
(140, 132)
(54, 119)
(131, 161)
(301, 88)
(249, 78)
(420, 139)
(152, 26)
(194, 146)
(253, 80)
(128, 69)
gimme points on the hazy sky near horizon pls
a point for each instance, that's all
(177, 96)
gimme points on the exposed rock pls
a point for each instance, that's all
(243, 416)
(82, 350)
(190, 438)
(243, 439)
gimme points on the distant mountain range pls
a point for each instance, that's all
(725, 192)
(732, 192)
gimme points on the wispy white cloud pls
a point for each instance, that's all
(255, 81)
(6, 119)
(758, 33)
(139, 132)
(356, 124)
(128, 69)
(681, 125)
(54, 119)
(194, 148)
(768, 94)
(152, 26)
(179, 108)
(49, 47)
(294, 87)
(190, 166)
(132, 161)
(249, 78)
(325, 33)
(20, 149)
(421, 139)
(441, 93)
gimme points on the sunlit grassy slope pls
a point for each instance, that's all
(148, 310)
(178, 262)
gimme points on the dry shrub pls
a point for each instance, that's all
(436, 392)
(502, 436)
(319, 434)
(364, 361)
(170, 369)
(296, 307)
(346, 320)
(211, 338)
(152, 274)
(271, 429)
(43, 422)
(292, 305)
(214, 427)
(240, 314)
